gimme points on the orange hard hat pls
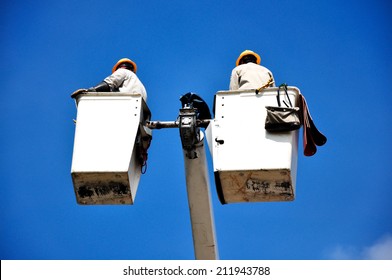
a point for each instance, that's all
(248, 52)
(124, 60)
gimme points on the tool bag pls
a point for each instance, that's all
(282, 119)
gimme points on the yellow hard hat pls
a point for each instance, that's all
(248, 52)
(124, 60)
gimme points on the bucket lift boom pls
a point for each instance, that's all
(262, 170)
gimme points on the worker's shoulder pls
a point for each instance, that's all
(257, 66)
(124, 72)
(249, 65)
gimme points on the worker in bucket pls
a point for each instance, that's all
(249, 74)
(122, 79)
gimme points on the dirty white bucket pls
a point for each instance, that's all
(251, 164)
(105, 166)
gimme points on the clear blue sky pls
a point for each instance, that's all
(338, 53)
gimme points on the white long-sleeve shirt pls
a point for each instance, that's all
(124, 80)
(249, 76)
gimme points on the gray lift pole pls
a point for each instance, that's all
(197, 182)
(198, 186)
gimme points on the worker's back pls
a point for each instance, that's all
(249, 76)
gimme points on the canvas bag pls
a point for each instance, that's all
(282, 119)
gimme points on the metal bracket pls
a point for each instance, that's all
(189, 131)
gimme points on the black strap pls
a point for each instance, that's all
(288, 98)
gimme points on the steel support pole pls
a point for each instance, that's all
(197, 181)
(200, 206)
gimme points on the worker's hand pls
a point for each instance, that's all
(77, 92)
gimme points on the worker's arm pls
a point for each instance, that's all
(234, 80)
(116, 80)
(101, 87)
(272, 79)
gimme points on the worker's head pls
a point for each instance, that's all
(125, 63)
(248, 56)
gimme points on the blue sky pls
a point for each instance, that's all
(338, 53)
